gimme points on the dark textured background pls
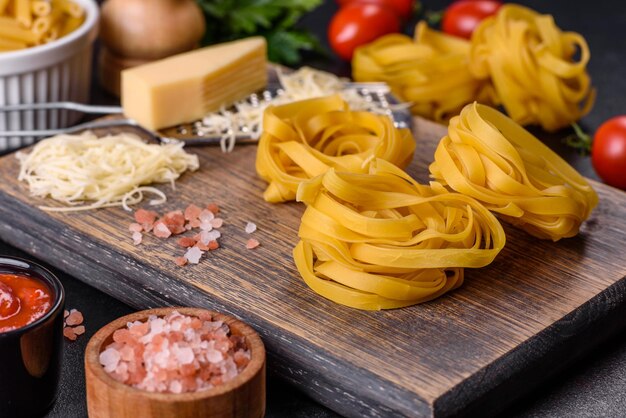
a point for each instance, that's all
(594, 387)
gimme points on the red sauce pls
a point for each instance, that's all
(23, 300)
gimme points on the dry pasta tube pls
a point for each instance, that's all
(531, 63)
(304, 139)
(431, 72)
(26, 23)
(489, 157)
(380, 240)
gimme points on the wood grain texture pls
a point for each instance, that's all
(241, 397)
(512, 324)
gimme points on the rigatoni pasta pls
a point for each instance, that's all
(26, 23)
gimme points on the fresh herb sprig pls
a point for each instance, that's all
(228, 20)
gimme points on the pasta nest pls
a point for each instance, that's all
(380, 240)
(489, 157)
(431, 71)
(530, 62)
(304, 139)
(517, 58)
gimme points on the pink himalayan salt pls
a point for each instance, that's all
(135, 227)
(217, 222)
(192, 212)
(252, 243)
(193, 255)
(206, 216)
(176, 354)
(161, 230)
(137, 238)
(74, 318)
(250, 227)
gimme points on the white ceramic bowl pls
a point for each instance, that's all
(54, 72)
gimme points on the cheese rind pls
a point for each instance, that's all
(186, 87)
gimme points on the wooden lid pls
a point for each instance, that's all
(242, 397)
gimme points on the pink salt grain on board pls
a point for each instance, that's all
(192, 212)
(193, 255)
(213, 208)
(217, 222)
(175, 354)
(250, 227)
(143, 216)
(135, 227)
(137, 238)
(180, 261)
(252, 244)
(161, 230)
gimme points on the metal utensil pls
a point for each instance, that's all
(192, 133)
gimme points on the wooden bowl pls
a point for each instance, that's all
(241, 397)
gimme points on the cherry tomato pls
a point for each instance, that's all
(462, 17)
(608, 152)
(358, 24)
(403, 8)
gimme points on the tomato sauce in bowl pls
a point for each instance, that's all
(23, 300)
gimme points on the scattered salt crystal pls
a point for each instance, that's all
(109, 359)
(135, 227)
(193, 255)
(161, 230)
(79, 330)
(137, 237)
(252, 243)
(217, 222)
(206, 237)
(213, 208)
(192, 212)
(250, 227)
(206, 216)
(68, 332)
(74, 318)
(186, 242)
(206, 226)
(180, 261)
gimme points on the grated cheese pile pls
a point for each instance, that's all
(109, 171)
(246, 117)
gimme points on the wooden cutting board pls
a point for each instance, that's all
(539, 306)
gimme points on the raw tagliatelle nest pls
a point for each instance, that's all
(380, 240)
(304, 139)
(489, 157)
(87, 172)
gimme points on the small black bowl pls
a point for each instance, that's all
(30, 357)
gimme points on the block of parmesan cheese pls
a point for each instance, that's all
(186, 87)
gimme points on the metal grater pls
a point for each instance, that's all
(194, 134)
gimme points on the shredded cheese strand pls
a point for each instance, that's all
(304, 139)
(109, 171)
(489, 157)
(380, 240)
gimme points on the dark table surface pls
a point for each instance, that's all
(594, 387)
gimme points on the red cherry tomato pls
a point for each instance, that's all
(358, 24)
(403, 8)
(608, 152)
(462, 17)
